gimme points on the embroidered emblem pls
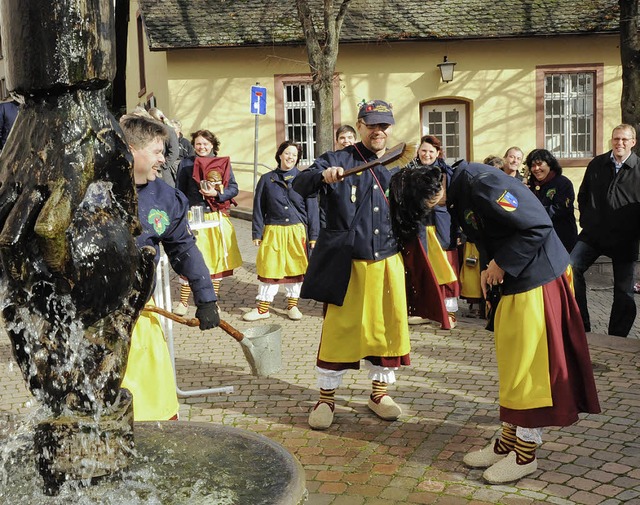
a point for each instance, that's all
(470, 219)
(508, 202)
(551, 193)
(159, 220)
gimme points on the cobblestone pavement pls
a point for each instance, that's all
(449, 400)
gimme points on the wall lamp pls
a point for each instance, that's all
(446, 70)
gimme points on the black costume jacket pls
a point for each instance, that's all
(374, 236)
(162, 211)
(557, 197)
(275, 203)
(508, 224)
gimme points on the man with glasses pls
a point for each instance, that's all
(369, 319)
(607, 232)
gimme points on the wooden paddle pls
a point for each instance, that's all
(248, 348)
(401, 152)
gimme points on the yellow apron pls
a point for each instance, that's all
(283, 252)
(149, 375)
(470, 275)
(438, 259)
(373, 319)
(218, 245)
(522, 351)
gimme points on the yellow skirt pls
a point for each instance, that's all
(438, 259)
(373, 319)
(522, 351)
(470, 275)
(149, 375)
(283, 252)
(218, 244)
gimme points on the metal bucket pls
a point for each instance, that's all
(267, 343)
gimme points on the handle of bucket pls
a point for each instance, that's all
(194, 321)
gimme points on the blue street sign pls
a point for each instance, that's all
(258, 100)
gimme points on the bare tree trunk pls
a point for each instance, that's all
(322, 51)
(630, 59)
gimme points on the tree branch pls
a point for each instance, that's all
(308, 28)
(344, 7)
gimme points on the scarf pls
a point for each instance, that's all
(214, 168)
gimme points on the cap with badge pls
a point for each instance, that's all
(376, 112)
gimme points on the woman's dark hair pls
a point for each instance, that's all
(283, 146)
(409, 191)
(434, 141)
(207, 134)
(543, 155)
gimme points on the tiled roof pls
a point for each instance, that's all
(174, 24)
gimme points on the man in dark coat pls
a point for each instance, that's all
(609, 232)
(369, 320)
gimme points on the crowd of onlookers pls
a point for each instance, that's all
(384, 248)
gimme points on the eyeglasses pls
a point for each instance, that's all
(382, 126)
(620, 139)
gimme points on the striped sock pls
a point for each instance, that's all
(507, 441)
(525, 451)
(378, 390)
(263, 307)
(216, 285)
(185, 290)
(328, 396)
(292, 302)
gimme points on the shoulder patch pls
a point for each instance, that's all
(470, 219)
(159, 220)
(508, 202)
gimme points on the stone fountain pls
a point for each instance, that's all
(72, 276)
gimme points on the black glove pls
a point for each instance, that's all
(208, 315)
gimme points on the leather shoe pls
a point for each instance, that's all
(321, 417)
(508, 470)
(386, 409)
(180, 309)
(254, 315)
(294, 314)
(483, 458)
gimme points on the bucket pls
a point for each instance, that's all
(267, 342)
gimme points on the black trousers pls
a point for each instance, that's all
(623, 311)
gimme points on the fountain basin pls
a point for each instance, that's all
(175, 463)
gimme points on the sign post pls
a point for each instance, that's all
(258, 108)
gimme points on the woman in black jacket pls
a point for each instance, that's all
(555, 192)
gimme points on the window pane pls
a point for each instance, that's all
(569, 114)
(300, 118)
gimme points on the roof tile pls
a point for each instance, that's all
(175, 24)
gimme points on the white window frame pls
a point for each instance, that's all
(569, 114)
(544, 139)
(452, 135)
(302, 129)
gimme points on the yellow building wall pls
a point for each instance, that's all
(155, 64)
(211, 89)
